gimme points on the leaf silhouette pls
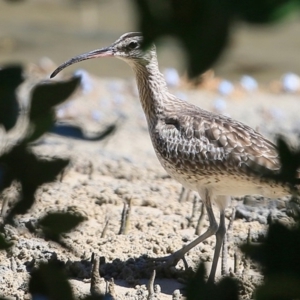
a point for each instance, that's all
(43, 100)
(198, 288)
(279, 259)
(50, 282)
(54, 224)
(202, 26)
(10, 79)
(33, 173)
(3, 243)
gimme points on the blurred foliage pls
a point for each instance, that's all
(43, 100)
(49, 281)
(74, 131)
(203, 26)
(19, 163)
(54, 224)
(280, 261)
(22, 165)
(290, 165)
(198, 288)
(3, 243)
(10, 79)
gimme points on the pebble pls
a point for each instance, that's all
(248, 83)
(225, 87)
(290, 82)
(172, 77)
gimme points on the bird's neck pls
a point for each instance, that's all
(153, 90)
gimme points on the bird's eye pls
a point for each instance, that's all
(133, 45)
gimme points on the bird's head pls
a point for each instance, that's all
(128, 47)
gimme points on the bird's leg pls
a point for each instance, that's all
(219, 241)
(212, 229)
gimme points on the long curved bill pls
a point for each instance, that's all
(104, 52)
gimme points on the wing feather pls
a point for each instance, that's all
(214, 141)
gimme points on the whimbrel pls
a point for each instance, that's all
(209, 153)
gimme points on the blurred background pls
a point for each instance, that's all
(33, 29)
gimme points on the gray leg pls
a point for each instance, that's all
(212, 229)
(219, 241)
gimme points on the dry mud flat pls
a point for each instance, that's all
(104, 175)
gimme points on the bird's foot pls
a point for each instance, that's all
(170, 261)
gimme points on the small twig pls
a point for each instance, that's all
(246, 267)
(200, 220)
(110, 290)
(125, 218)
(184, 195)
(150, 286)
(62, 174)
(91, 169)
(105, 228)
(192, 217)
(128, 216)
(249, 236)
(95, 276)
(4, 207)
(237, 258)
(230, 224)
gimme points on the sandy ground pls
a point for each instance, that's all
(104, 175)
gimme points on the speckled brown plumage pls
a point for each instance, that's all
(206, 152)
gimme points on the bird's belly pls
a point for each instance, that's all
(220, 182)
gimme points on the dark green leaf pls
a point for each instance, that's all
(285, 10)
(50, 281)
(3, 243)
(279, 254)
(290, 164)
(40, 126)
(54, 224)
(198, 288)
(227, 289)
(73, 131)
(10, 79)
(44, 98)
(33, 173)
(201, 26)
(281, 287)
(47, 95)
(263, 11)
